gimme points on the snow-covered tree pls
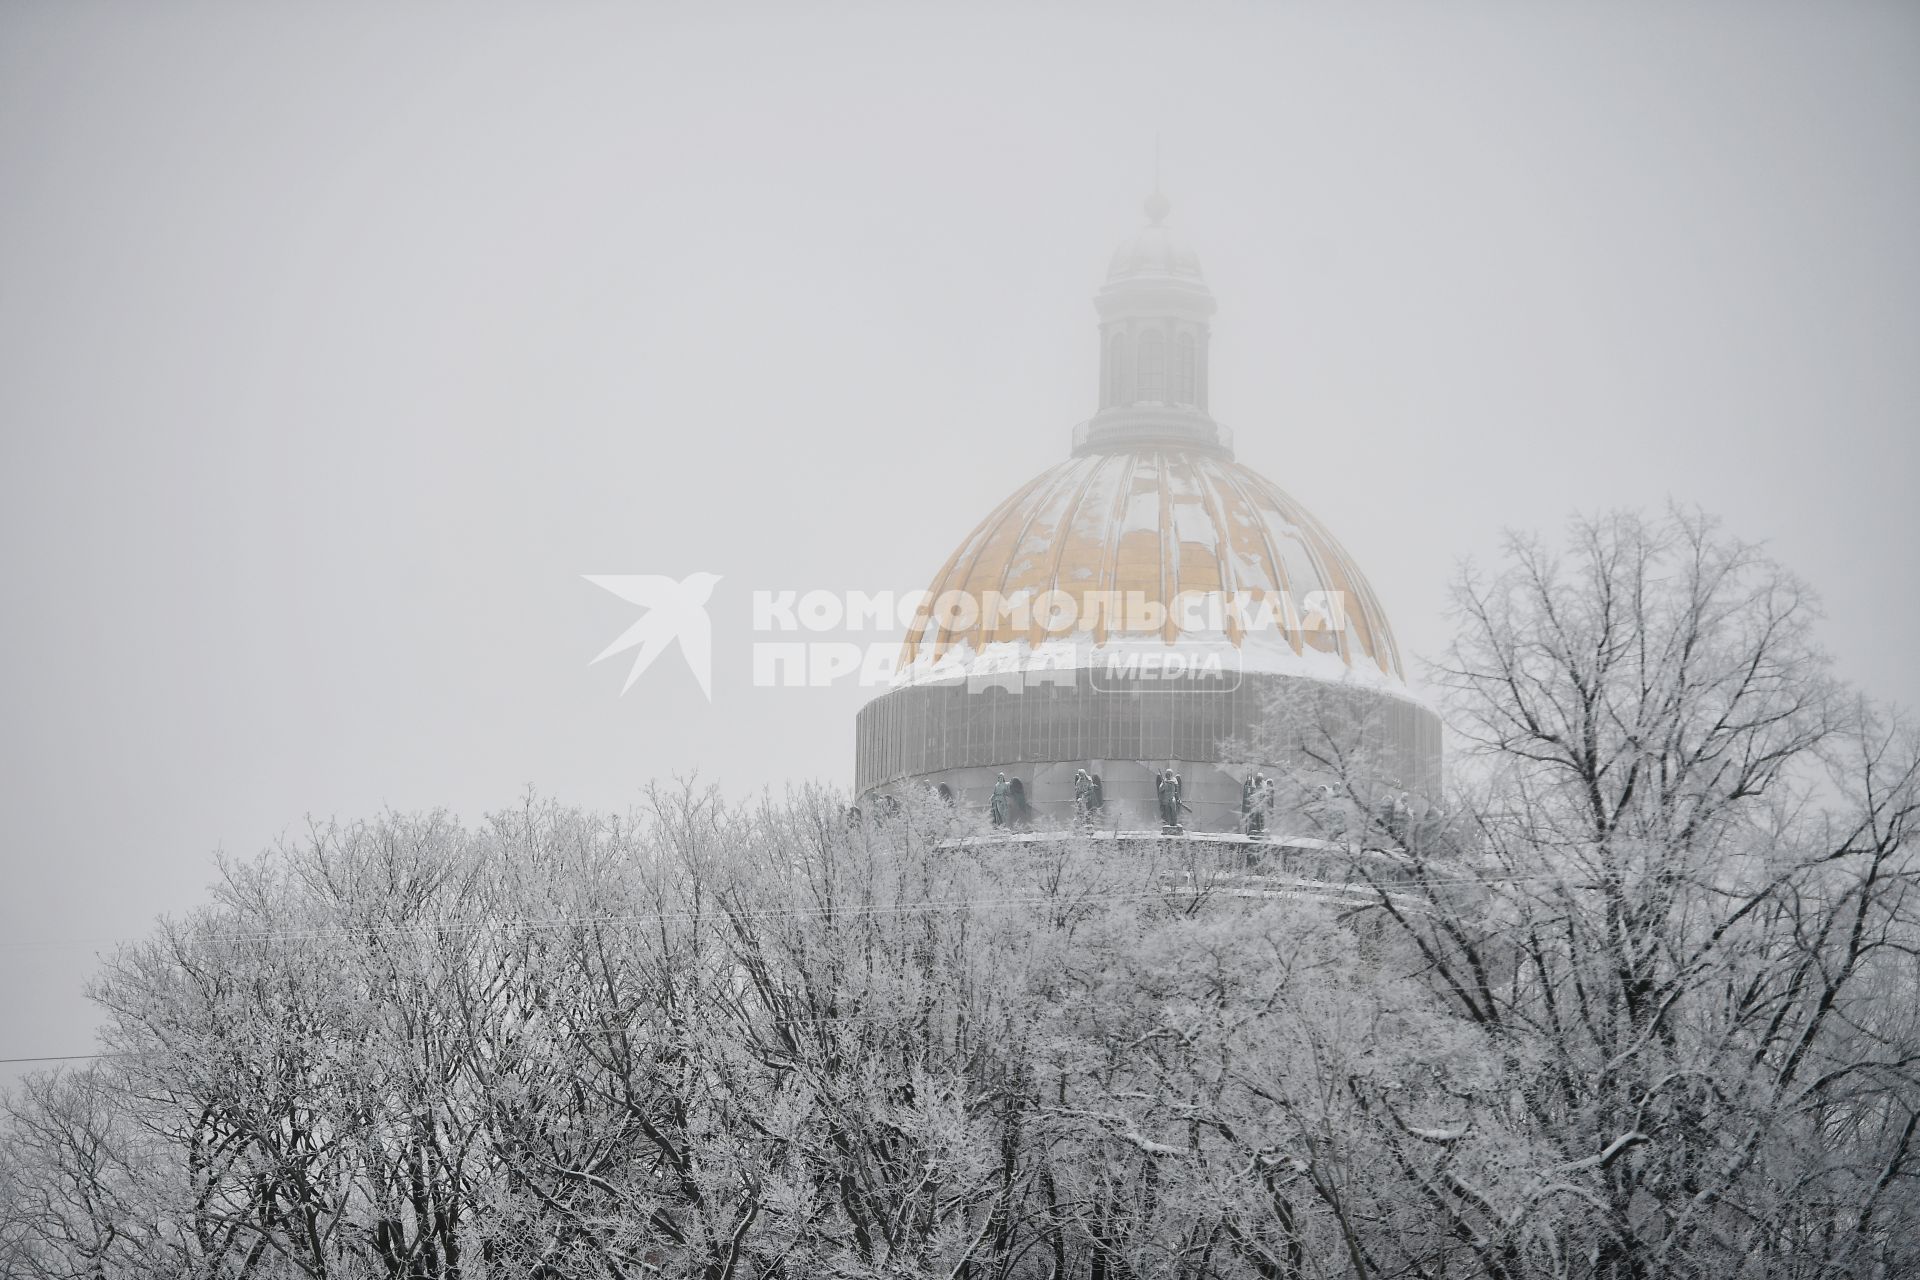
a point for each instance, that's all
(1673, 896)
(1635, 999)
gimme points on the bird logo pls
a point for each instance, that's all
(674, 611)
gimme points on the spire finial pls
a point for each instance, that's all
(1157, 206)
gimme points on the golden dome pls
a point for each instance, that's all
(1162, 522)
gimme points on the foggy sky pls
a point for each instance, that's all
(337, 342)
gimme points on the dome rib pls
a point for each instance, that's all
(1278, 503)
(1169, 540)
(989, 631)
(1061, 539)
(1160, 521)
(1109, 574)
(1282, 576)
(1344, 577)
(1223, 552)
(1266, 542)
(977, 541)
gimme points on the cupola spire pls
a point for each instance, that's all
(1155, 329)
(1157, 206)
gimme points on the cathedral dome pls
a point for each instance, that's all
(1145, 606)
(1172, 529)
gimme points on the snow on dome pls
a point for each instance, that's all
(1161, 522)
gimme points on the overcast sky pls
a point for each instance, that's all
(337, 342)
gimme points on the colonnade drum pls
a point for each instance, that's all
(957, 736)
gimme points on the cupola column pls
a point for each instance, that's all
(1154, 311)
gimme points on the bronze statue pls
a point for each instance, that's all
(1256, 802)
(1170, 806)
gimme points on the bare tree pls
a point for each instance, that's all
(1674, 897)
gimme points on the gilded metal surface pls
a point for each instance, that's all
(1160, 521)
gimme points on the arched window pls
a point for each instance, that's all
(1183, 370)
(1117, 370)
(1152, 384)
